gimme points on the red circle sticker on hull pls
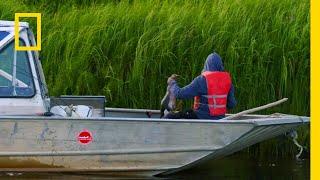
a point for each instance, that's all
(84, 137)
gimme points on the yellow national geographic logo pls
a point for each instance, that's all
(16, 32)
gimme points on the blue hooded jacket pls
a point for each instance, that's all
(198, 87)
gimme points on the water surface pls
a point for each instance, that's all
(233, 167)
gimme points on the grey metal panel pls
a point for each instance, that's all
(107, 152)
(258, 134)
(257, 122)
(143, 113)
(94, 101)
(132, 144)
(116, 145)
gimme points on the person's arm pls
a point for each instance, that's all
(187, 92)
(231, 98)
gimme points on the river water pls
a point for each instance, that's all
(233, 167)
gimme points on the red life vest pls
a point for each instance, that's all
(218, 85)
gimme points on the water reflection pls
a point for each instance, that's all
(243, 167)
(232, 167)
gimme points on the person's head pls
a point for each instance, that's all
(213, 63)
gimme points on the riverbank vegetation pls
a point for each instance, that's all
(125, 50)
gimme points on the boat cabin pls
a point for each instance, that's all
(23, 89)
(22, 85)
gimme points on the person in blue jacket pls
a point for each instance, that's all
(198, 88)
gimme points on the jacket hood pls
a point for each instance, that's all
(213, 63)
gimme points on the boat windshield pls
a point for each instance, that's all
(3, 34)
(15, 80)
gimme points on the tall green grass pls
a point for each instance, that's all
(125, 50)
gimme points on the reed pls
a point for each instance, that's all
(125, 50)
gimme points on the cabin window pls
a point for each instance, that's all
(22, 85)
(3, 34)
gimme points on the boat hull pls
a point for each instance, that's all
(135, 145)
